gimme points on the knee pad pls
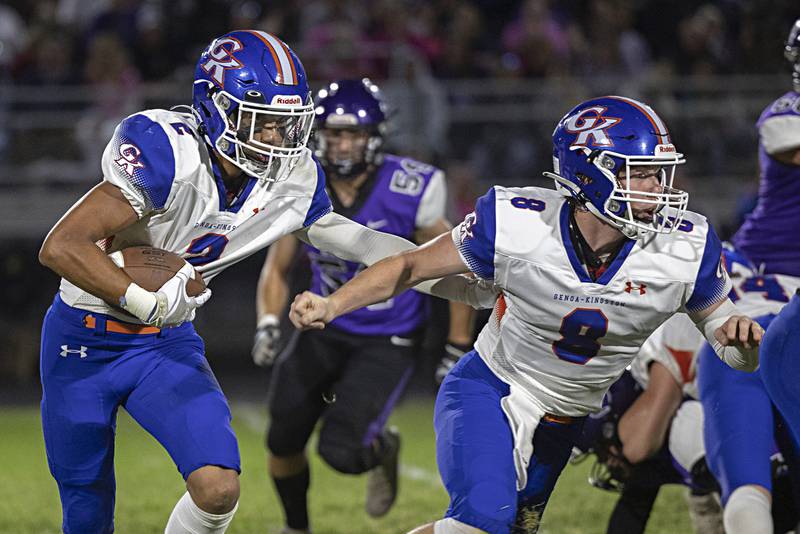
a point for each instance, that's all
(450, 525)
(283, 440)
(748, 511)
(686, 435)
(351, 459)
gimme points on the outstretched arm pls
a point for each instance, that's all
(387, 278)
(351, 241)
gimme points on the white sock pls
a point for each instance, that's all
(450, 525)
(187, 518)
(748, 511)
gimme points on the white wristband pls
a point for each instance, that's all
(140, 303)
(736, 357)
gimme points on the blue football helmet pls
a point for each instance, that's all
(595, 147)
(248, 82)
(792, 53)
(351, 105)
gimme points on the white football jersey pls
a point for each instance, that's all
(675, 345)
(555, 333)
(165, 170)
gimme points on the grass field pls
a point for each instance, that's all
(148, 484)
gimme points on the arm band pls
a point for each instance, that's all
(140, 303)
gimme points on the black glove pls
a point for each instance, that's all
(452, 353)
(267, 340)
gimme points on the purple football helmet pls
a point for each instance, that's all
(246, 81)
(792, 53)
(595, 146)
(350, 105)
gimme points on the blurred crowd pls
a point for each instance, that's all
(62, 42)
(112, 49)
(476, 84)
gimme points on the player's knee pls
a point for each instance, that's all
(213, 489)
(348, 458)
(451, 525)
(282, 441)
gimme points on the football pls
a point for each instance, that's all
(152, 267)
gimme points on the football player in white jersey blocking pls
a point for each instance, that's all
(586, 274)
(214, 184)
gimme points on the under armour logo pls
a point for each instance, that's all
(593, 126)
(221, 59)
(65, 350)
(629, 287)
(129, 159)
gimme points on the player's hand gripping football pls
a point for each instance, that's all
(266, 344)
(310, 311)
(174, 305)
(739, 331)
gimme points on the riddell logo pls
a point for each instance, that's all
(665, 149)
(629, 288)
(287, 100)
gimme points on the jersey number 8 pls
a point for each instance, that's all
(580, 330)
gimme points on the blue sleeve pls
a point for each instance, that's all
(712, 284)
(140, 160)
(475, 237)
(320, 202)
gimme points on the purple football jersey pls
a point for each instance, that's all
(387, 202)
(769, 233)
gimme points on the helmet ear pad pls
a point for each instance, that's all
(596, 172)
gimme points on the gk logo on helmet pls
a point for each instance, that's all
(221, 59)
(129, 159)
(591, 124)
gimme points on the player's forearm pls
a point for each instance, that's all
(351, 241)
(83, 263)
(643, 428)
(461, 324)
(273, 293)
(382, 281)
